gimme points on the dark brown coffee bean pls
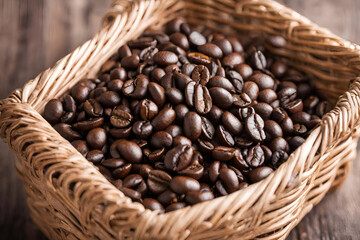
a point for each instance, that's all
(181, 140)
(278, 68)
(161, 139)
(278, 157)
(192, 125)
(67, 132)
(181, 80)
(244, 70)
(299, 129)
(175, 206)
(198, 196)
(109, 99)
(196, 38)
(131, 193)
(287, 126)
(80, 146)
(153, 204)
(96, 138)
(165, 118)
(174, 130)
(148, 109)
(156, 75)
(157, 94)
(158, 181)
(232, 59)
(221, 97)
(267, 95)
(214, 171)
(278, 114)
(200, 74)
(124, 51)
(243, 101)
(184, 184)
(301, 118)
(167, 197)
(224, 45)
(120, 118)
(272, 129)
(304, 90)
(279, 143)
(258, 60)
(67, 117)
(222, 82)
(310, 103)
(215, 114)
(194, 170)
(202, 99)
(53, 111)
(255, 156)
(323, 108)
(211, 50)
(164, 58)
(130, 62)
(243, 142)
(222, 153)
(229, 179)
(263, 81)
(294, 106)
(120, 132)
(199, 58)
(187, 69)
(80, 93)
(263, 109)
(255, 127)
(236, 80)
(286, 84)
(181, 110)
(259, 174)
(180, 40)
(208, 130)
(251, 89)
(231, 123)
(295, 142)
(113, 162)
(224, 137)
(122, 172)
(178, 157)
(286, 95)
(95, 156)
(117, 74)
(142, 42)
(174, 95)
(136, 88)
(173, 26)
(205, 146)
(130, 151)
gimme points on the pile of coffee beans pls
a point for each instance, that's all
(185, 116)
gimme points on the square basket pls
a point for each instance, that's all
(69, 199)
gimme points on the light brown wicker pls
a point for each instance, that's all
(69, 199)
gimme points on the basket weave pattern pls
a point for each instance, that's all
(69, 199)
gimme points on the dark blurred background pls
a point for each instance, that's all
(34, 34)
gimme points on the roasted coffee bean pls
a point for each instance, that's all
(142, 42)
(323, 108)
(148, 109)
(263, 81)
(267, 95)
(178, 157)
(80, 93)
(304, 90)
(158, 181)
(67, 117)
(53, 111)
(130, 62)
(301, 117)
(121, 172)
(205, 146)
(229, 179)
(67, 132)
(243, 142)
(211, 50)
(174, 130)
(184, 184)
(175, 206)
(120, 132)
(181, 110)
(81, 146)
(174, 95)
(153, 205)
(157, 155)
(117, 74)
(113, 162)
(194, 170)
(286, 95)
(242, 101)
(164, 118)
(192, 125)
(157, 94)
(279, 143)
(278, 68)
(89, 124)
(244, 70)
(96, 138)
(198, 196)
(187, 69)
(224, 45)
(200, 74)
(221, 97)
(232, 59)
(180, 40)
(214, 171)
(173, 26)
(287, 126)
(164, 58)
(136, 88)
(224, 136)
(272, 129)
(259, 174)
(299, 129)
(202, 99)
(124, 51)
(267, 153)
(255, 127)
(223, 153)
(131, 193)
(181, 80)
(278, 114)
(310, 103)
(120, 118)
(196, 38)
(286, 84)
(95, 156)
(130, 151)
(215, 114)
(236, 80)
(278, 157)
(255, 156)
(294, 106)
(167, 197)
(222, 82)
(199, 58)
(161, 139)
(295, 142)
(263, 109)
(109, 99)
(181, 140)
(231, 123)
(208, 129)
(258, 60)
(251, 89)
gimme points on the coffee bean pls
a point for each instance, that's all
(53, 111)
(215, 114)
(211, 50)
(195, 170)
(286, 95)
(202, 99)
(229, 179)
(165, 118)
(287, 126)
(142, 42)
(255, 156)
(295, 142)
(157, 94)
(136, 88)
(192, 125)
(167, 197)
(148, 109)
(221, 97)
(223, 153)
(80, 146)
(153, 204)
(278, 114)
(175, 206)
(109, 99)
(279, 143)
(272, 129)
(158, 181)
(323, 108)
(267, 95)
(301, 118)
(224, 136)
(134, 195)
(255, 127)
(244, 70)
(258, 60)
(224, 45)
(164, 58)
(174, 95)
(174, 130)
(120, 132)
(208, 129)
(96, 138)
(263, 81)
(278, 157)
(161, 139)
(199, 58)
(178, 157)
(181, 80)
(231, 123)
(294, 106)
(222, 82)
(200, 74)
(131, 61)
(67, 132)
(205, 146)
(278, 68)
(130, 151)
(120, 118)
(122, 172)
(197, 197)
(243, 100)
(181, 140)
(251, 89)
(243, 142)
(95, 156)
(180, 40)
(184, 184)
(259, 174)
(236, 80)
(263, 109)
(181, 110)
(196, 38)
(232, 59)
(80, 93)
(113, 162)
(310, 103)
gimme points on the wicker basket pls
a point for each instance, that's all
(68, 198)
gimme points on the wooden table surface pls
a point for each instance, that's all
(36, 33)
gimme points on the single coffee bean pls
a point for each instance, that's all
(323, 108)
(202, 99)
(184, 184)
(158, 181)
(229, 179)
(187, 69)
(272, 129)
(109, 99)
(80, 93)
(245, 70)
(181, 80)
(113, 162)
(267, 153)
(130, 62)
(263, 109)
(221, 97)
(278, 68)
(161, 139)
(214, 171)
(153, 204)
(120, 118)
(263, 81)
(80, 146)
(299, 129)
(181, 110)
(120, 133)
(157, 94)
(200, 74)
(301, 118)
(67, 132)
(258, 60)
(224, 45)
(124, 51)
(294, 106)
(310, 103)
(208, 129)
(223, 153)
(196, 38)
(181, 140)
(255, 127)
(130, 151)
(218, 81)
(164, 118)
(174, 95)
(231, 123)
(279, 143)
(236, 80)
(164, 58)
(287, 126)
(243, 142)
(286, 95)
(286, 84)
(142, 42)
(211, 50)
(205, 146)
(192, 125)
(95, 156)
(53, 111)
(224, 136)
(148, 109)
(267, 95)
(215, 114)
(232, 59)
(174, 130)
(304, 90)
(122, 172)
(178, 157)
(255, 157)
(131, 193)
(295, 142)
(278, 114)
(167, 197)
(198, 196)
(194, 170)
(251, 89)
(259, 174)
(243, 101)
(278, 157)
(175, 206)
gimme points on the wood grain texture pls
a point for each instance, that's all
(34, 34)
